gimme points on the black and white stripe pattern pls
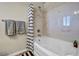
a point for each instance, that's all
(30, 33)
(26, 53)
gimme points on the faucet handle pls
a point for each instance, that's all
(75, 44)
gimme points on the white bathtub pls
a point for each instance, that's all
(45, 46)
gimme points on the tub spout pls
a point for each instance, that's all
(75, 44)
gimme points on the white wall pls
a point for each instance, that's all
(54, 21)
(15, 11)
(39, 17)
(18, 11)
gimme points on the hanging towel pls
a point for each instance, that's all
(20, 27)
(10, 27)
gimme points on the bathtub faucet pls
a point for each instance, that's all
(75, 44)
